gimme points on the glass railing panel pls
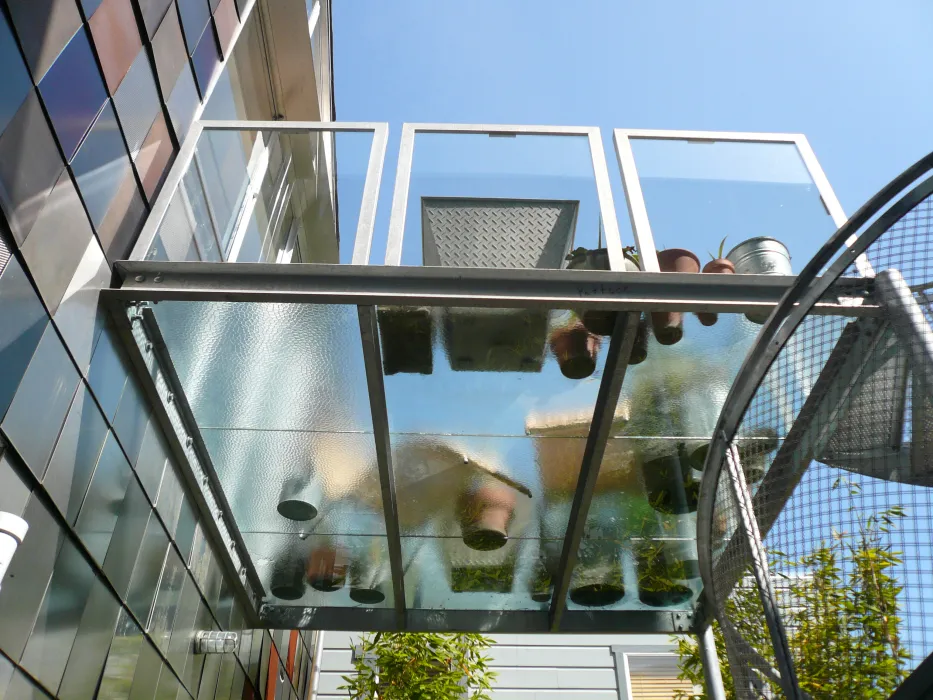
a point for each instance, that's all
(705, 195)
(499, 200)
(278, 195)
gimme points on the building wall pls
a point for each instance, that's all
(530, 667)
(115, 575)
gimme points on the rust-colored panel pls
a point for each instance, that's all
(273, 678)
(154, 156)
(225, 20)
(290, 661)
(168, 47)
(116, 37)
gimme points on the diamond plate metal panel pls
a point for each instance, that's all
(474, 232)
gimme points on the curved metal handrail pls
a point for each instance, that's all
(784, 320)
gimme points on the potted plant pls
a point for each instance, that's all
(407, 333)
(485, 510)
(597, 578)
(596, 321)
(662, 574)
(369, 574)
(718, 265)
(668, 325)
(483, 579)
(542, 583)
(287, 580)
(298, 498)
(761, 255)
(326, 568)
(669, 483)
(575, 348)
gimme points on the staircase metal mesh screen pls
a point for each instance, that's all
(841, 491)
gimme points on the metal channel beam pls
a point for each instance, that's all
(484, 621)
(474, 287)
(372, 358)
(146, 372)
(620, 349)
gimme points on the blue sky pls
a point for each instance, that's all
(852, 75)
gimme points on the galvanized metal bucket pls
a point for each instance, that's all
(760, 256)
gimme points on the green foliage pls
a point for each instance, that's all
(409, 666)
(843, 625)
(722, 247)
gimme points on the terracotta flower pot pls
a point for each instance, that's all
(640, 347)
(485, 513)
(326, 569)
(719, 266)
(597, 322)
(575, 349)
(668, 325)
(369, 576)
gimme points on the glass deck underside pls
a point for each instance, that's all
(487, 439)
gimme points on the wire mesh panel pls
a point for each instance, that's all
(835, 447)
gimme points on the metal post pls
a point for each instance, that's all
(712, 674)
(759, 562)
(620, 349)
(372, 358)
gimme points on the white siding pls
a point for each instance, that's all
(530, 667)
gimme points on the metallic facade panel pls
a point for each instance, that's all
(21, 688)
(182, 103)
(168, 687)
(146, 569)
(113, 27)
(27, 577)
(100, 166)
(30, 165)
(56, 625)
(205, 59)
(100, 510)
(166, 601)
(120, 669)
(184, 532)
(79, 318)
(195, 15)
(108, 373)
(44, 28)
(146, 674)
(132, 420)
(150, 465)
(92, 644)
(168, 49)
(464, 232)
(24, 321)
(132, 521)
(154, 12)
(170, 498)
(14, 494)
(16, 81)
(154, 156)
(123, 221)
(225, 21)
(137, 103)
(43, 399)
(57, 242)
(76, 454)
(73, 92)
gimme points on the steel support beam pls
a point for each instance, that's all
(372, 359)
(759, 561)
(620, 349)
(712, 674)
(204, 489)
(473, 287)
